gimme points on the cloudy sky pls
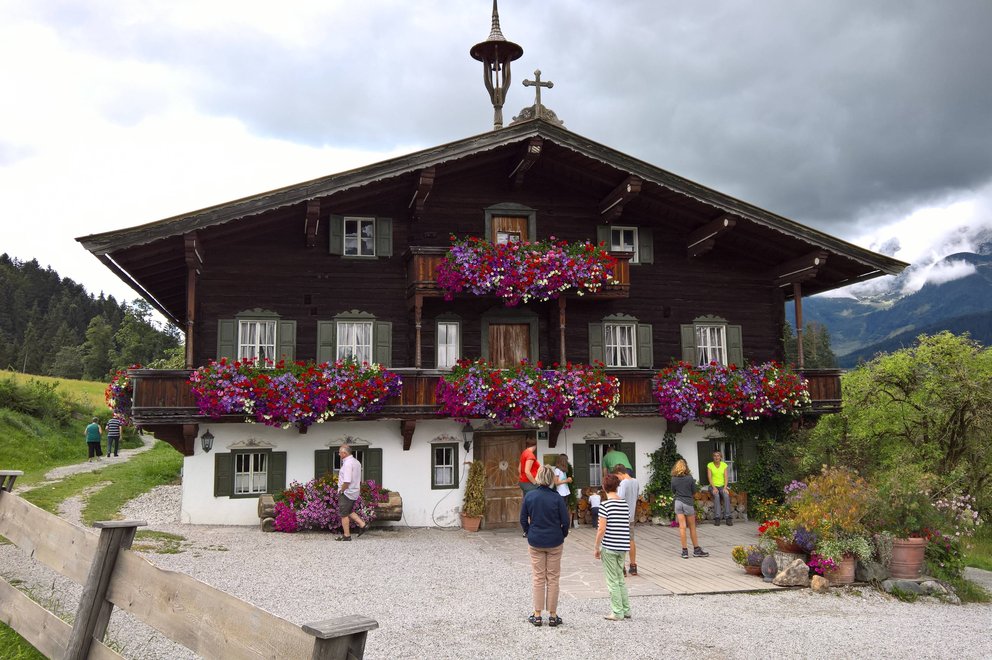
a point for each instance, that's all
(868, 120)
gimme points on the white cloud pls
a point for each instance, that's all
(948, 271)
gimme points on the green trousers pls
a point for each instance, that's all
(613, 569)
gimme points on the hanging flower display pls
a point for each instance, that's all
(523, 271)
(119, 394)
(527, 394)
(686, 393)
(314, 505)
(297, 394)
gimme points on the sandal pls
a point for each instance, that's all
(536, 620)
(554, 620)
(342, 538)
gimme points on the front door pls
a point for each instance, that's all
(508, 229)
(500, 453)
(509, 343)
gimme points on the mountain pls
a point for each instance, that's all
(956, 295)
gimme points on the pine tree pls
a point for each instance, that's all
(96, 349)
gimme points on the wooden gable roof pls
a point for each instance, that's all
(153, 258)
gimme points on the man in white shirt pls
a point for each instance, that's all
(349, 490)
(629, 490)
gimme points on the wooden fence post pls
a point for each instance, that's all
(94, 610)
(340, 639)
(7, 478)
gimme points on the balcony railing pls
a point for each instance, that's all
(164, 396)
(422, 263)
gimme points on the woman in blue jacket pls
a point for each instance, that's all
(544, 518)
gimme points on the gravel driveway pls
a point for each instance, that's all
(448, 594)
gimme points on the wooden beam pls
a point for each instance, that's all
(312, 222)
(407, 427)
(194, 262)
(425, 183)
(797, 270)
(612, 205)
(703, 239)
(553, 432)
(797, 300)
(532, 152)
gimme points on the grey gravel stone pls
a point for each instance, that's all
(870, 571)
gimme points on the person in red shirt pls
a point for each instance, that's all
(529, 466)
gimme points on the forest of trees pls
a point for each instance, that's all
(817, 353)
(51, 326)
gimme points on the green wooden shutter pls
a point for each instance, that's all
(603, 236)
(735, 345)
(326, 351)
(645, 245)
(383, 337)
(227, 339)
(580, 463)
(337, 234)
(286, 350)
(277, 472)
(645, 346)
(704, 452)
(322, 463)
(630, 450)
(595, 342)
(372, 465)
(383, 237)
(689, 343)
(223, 474)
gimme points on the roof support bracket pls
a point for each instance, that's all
(532, 152)
(798, 270)
(425, 182)
(612, 205)
(312, 222)
(703, 239)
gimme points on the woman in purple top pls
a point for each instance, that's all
(544, 518)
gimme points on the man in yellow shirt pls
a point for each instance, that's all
(717, 472)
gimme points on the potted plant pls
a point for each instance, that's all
(905, 510)
(838, 555)
(782, 534)
(474, 502)
(749, 557)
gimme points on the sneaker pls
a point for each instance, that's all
(633, 569)
(717, 522)
(612, 617)
(730, 522)
(685, 553)
(699, 552)
(627, 615)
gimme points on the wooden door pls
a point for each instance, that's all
(500, 453)
(509, 343)
(508, 229)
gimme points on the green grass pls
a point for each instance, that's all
(87, 393)
(979, 554)
(160, 465)
(14, 647)
(162, 543)
(970, 592)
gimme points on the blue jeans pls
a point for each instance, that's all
(716, 492)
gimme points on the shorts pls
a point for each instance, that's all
(684, 509)
(345, 505)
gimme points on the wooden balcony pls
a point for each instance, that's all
(422, 263)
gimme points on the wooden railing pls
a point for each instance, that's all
(422, 263)
(824, 389)
(208, 621)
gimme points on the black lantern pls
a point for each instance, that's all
(207, 441)
(468, 433)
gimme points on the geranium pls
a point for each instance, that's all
(686, 393)
(314, 505)
(119, 394)
(527, 394)
(523, 271)
(821, 565)
(298, 394)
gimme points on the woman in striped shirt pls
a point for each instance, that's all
(612, 544)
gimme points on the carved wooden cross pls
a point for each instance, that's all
(538, 84)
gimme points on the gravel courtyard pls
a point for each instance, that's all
(448, 594)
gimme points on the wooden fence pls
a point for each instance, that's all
(205, 620)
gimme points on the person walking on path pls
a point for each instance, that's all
(612, 543)
(113, 435)
(544, 519)
(594, 502)
(92, 435)
(684, 488)
(717, 472)
(562, 480)
(629, 490)
(613, 458)
(349, 490)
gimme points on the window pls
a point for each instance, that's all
(504, 237)
(444, 466)
(257, 340)
(596, 453)
(250, 473)
(711, 344)
(354, 340)
(624, 239)
(729, 452)
(327, 461)
(448, 341)
(357, 452)
(619, 344)
(359, 237)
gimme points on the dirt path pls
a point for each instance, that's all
(60, 473)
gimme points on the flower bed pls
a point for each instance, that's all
(686, 393)
(524, 271)
(299, 394)
(527, 394)
(119, 395)
(314, 505)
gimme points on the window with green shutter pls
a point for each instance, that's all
(357, 335)
(249, 473)
(639, 240)
(711, 339)
(328, 460)
(257, 334)
(361, 236)
(621, 341)
(587, 461)
(444, 466)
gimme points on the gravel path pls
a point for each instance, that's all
(448, 594)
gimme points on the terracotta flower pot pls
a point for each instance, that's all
(844, 573)
(752, 570)
(907, 558)
(789, 547)
(471, 523)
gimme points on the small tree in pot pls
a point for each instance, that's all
(474, 502)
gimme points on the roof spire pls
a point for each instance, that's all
(496, 53)
(496, 34)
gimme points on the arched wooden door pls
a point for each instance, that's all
(500, 453)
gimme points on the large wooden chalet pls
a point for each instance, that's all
(347, 263)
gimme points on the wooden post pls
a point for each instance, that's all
(94, 608)
(561, 329)
(7, 479)
(194, 259)
(797, 300)
(418, 310)
(340, 639)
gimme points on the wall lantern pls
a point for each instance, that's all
(468, 433)
(207, 441)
